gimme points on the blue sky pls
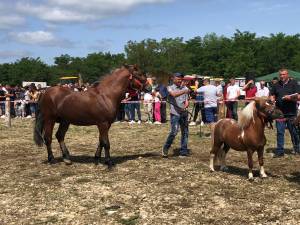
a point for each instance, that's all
(49, 28)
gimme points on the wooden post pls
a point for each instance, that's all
(7, 112)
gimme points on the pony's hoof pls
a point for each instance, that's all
(68, 161)
(250, 177)
(263, 176)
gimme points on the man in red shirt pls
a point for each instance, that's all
(250, 90)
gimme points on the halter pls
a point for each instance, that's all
(135, 78)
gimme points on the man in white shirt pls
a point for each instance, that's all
(262, 90)
(233, 92)
(210, 95)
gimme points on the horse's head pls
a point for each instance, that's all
(267, 109)
(138, 80)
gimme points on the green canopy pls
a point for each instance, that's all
(269, 77)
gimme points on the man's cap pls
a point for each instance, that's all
(180, 75)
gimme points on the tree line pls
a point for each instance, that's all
(211, 55)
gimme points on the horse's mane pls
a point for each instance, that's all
(106, 79)
(246, 115)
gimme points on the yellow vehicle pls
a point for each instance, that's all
(71, 79)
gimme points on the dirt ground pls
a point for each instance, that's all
(143, 188)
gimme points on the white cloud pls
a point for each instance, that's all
(101, 45)
(8, 54)
(78, 10)
(42, 38)
(9, 21)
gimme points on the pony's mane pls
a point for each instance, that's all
(246, 115)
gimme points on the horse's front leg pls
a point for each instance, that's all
(260, 154)
(250, 164)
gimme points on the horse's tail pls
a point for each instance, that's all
(38, 125)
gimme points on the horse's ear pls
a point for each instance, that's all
(126, 66)
(135, 66)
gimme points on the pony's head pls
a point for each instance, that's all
(138, 80)
(267, 109)
(260, 107)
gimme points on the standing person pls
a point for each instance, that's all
(148, 106)
(196, 105)
(163, 91)
(232, 94)
(157, 104)
(178, 98)
(210, 95)
(285, 93)
(262, 90)
(2, 102)
(134, 105)
(250, 90)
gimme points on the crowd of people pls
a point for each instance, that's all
(209, 99)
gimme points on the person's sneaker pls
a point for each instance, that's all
(29, 116)
(202, 124)
(164, 153)
(192, 123)
(139, 122)
(3, 116)
(184, 155)
(157, 122)
(278, 155)
(131, 122)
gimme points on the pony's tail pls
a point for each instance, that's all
(38, 126)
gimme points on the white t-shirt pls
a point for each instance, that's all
(262, 92)
(148, 98)
(210, 94)
(232, 92)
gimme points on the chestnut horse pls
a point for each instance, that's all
(96, 106)
(245, 135)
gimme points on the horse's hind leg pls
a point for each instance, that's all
(104, 142)
(222, 156)
(48, 129)
(260, 154)
(213, 154)
(60, 135)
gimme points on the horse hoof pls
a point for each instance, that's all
(110, 165)
(68, 161)
(51, 161)
(224, 169)
(97, 160)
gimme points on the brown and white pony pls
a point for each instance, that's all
(245, 135)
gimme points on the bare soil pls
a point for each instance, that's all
(142, 188)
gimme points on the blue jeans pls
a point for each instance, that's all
(2, 105)
(176, 122)
(133, 107)
(280, 126)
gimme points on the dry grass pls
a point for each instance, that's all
(142, 188)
